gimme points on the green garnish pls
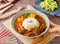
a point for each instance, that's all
(27, 15)
(49, 5)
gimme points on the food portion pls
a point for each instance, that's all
(30, 24)
(49, 5)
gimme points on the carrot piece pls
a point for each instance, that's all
(20, 24)
(21, 19)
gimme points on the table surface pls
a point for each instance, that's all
(55, 19)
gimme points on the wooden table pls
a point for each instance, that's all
(31, 2)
